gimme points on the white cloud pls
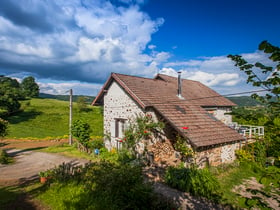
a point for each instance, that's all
(209, 79)
(76, 40)
(62, 88)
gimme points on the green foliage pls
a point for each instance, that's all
(115, 186)
(143, 128)
(29, 87)
(268, 78)
(81, 103)
(253, 152)
(69, 195)
(47, 173)
(263, 76)
(100, 185)
(4, 158)
(8, 194)
(81, 130)
(3, 127)
(9, 96)
(244, 101)
(183, 148)
(96, 144)
(66, 172)
(260, 116)
(198, 182)
(243, 155)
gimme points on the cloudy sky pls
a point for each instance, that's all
(78, 43)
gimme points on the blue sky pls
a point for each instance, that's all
(77, 44)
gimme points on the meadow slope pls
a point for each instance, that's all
(49, 119)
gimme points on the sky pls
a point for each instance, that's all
(76, 44)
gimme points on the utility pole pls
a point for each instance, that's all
(70, 117)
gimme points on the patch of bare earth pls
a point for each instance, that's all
(28, 163)
(252, 189)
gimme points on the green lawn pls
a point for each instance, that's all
(49, 118)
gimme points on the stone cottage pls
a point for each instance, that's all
(180, 104)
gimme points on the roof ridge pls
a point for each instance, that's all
(135, 76)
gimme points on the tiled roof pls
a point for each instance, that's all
(161, 94)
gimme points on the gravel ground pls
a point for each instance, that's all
(29, 163)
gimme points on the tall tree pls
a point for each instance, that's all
(3, 128)
(29, 87)
(268, 78)
(81, 102)
(260, 75)
(9, 95)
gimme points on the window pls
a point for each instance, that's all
(118, 127)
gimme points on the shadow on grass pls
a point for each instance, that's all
(2, 144)
(23, 116)
(13, 198)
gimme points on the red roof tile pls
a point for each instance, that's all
(161, 94)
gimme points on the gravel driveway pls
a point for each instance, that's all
(29, 163)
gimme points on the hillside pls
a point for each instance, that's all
(49, 119)
(89, 99)
(244, 101)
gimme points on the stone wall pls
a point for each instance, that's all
(217, 155)
(221, 113)
(117, 105)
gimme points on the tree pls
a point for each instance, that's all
(263, 76)
(268, 78)
(82, 105)
(81, 130)
(29, 87)
(9, 95)
(3, 128)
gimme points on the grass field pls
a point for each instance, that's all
(49, 119)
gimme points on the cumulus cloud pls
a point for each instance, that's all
(209, 79)
(77, 40)
(217, 72)
(62, 87)
(62, 42)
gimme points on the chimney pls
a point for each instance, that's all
(180, 86)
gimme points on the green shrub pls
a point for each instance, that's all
(244, 155)
(102, 185)
(3, 128)
(253, 152)
(81, 130)
(4, 158)
(96, 144)
(198, 182)
(117, 186)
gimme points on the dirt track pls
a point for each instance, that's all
(29, 162)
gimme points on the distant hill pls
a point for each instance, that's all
(244, 101)
(89, 99)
